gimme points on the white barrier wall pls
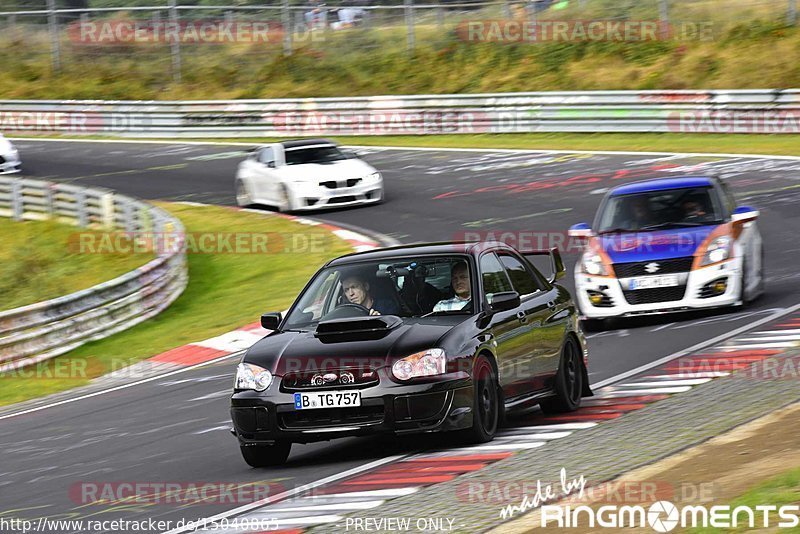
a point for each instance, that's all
(734, 111)
(43, 330)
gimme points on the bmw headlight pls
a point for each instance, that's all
(592, 263)
(249, 376)
(719, 249)
(374, 177)
(426, 363)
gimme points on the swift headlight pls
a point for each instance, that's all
(719, 249)
(592, 263)
(426, 363)
(249, 376)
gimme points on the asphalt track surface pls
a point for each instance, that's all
(175, 429)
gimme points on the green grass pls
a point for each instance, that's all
(225, 291)
(777, 491)
(39, 260)
(753, 51)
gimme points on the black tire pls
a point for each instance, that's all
(569, 381)
(486, 403)
(266, 455)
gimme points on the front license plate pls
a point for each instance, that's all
(327, 399)
(651, 282)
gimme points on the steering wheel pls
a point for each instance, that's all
(346, 310)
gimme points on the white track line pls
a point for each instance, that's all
(666, 383)
(694, 348)
(393, 492)
(421, 149)
(290, 493)
(117, 388)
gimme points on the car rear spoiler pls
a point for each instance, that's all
(556, 263)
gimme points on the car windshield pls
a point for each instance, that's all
(313, 154)
(406, 287)
(658, 210)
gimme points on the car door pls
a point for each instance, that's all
(546, 322)
(265, 180)
(509, 330)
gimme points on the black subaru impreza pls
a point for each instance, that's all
(422, 338)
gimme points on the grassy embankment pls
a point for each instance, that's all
(225, 291)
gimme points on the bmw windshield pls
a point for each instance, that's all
(405, 287)
(661, 210)
(314, 154)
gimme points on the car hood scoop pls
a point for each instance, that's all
(355, 329)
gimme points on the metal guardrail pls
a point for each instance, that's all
(724, 111)
(34, 333)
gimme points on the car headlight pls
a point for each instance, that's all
(426, 363)
(374, 177)
(592, 263)
(249, 376)
(718, 250)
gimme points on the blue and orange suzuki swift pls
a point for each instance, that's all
(667, 245)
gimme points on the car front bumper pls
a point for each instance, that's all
(10, 163)
(399, 409)
(312, 196)
(696, 281)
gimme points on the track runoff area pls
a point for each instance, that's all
(174, 429)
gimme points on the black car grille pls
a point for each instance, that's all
(330, 379)
(361, 415)
(340, 200)
(675, 265)
(333, 184)
(659, 294)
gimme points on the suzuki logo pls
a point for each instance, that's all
(652, 267)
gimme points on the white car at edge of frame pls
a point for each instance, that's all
(9, 157)
(306, 174)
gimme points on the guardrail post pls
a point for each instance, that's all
(663, 18)
(439, 17)
(50, 201)
(129, 217)
(506, 10)
(83, 212)
(791, 16)
(17, 203)
(55, 45)
(409, 12)
(175, 46)
(286, 20)
(107, 211)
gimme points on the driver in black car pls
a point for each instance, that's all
(356, 290)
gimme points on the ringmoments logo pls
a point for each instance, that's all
(664, 516)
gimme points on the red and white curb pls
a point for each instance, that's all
(328, 504)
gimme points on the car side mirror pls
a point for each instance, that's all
(270, 321)
(505, 300)
(580, 230)
(557, 264)
(744, 213)
(270, 164)
(350, 154)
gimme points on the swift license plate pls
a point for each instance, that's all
(653, 282)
